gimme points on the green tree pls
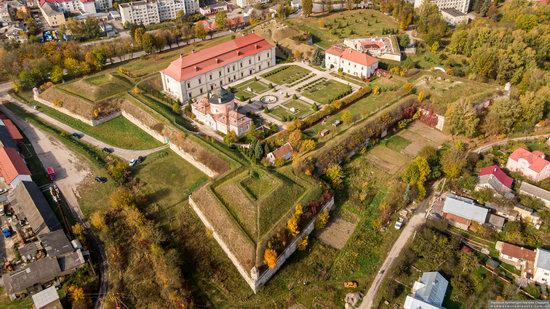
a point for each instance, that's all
(221, 20)
(56, 75)
(430, 23)
(230, 138)
(461, 119)
(148, 43)
(138, 36)
(501, 117)
(258, 151)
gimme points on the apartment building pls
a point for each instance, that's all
(459, 5)
(201, 72)
(151, 12)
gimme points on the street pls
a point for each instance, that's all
(418, 219)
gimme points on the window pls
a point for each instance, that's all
(188, 85)
(199, 80)
(241, 64)
(189, 95)
(258, 57)
(220, 72)
(201, 90)
(212, 87)
(210, 76)
(267, 55)
(249, 61)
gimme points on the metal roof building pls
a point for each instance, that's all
(465, 208)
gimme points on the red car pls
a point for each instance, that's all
(51, 173)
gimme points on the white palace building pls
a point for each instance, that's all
(201, 72)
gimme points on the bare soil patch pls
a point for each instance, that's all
(337, 232)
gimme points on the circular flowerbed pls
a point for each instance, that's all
(268, 99)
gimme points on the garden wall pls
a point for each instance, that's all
(163, 139)
(251, 277)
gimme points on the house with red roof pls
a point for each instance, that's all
(12, 167)
(521, 258)
(12, 130)
(203, 71)
(350, 61)
(284, 152)
(493, 177)
(532, 165)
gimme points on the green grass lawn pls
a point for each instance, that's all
(302, 109)
(242, 93)
(288, 75)
(325, 91)
(397, 143)
(97, 87)
(259, 184)
(117, 132)
(337, 26)
(168, 180)
(6, 303)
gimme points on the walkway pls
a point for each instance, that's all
(126, 154)
(418, 219)
(488, 146)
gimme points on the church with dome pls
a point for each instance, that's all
(218, 110)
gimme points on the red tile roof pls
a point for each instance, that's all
(11, 164)
(458, 219)
(499, 174)
(208, 59)
(282, 151)
(12, 130)
(518, 252)
(536, 158)
(351, 55)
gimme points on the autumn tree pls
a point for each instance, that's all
(307, 145)
(302, 245)
(307, 7)
(322, 220)
(270, 258)
(148, 43)
(295, 138)
(430, 22)
(416, 174)
(453, 161)
(200, 31)
(335, 175)
(292, 225)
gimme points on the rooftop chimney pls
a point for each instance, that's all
(193, 51)
(181, 55)
(196, 68)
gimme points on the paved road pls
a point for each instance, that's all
(418, 218)
(126, 154)
(488, 146)
(69, 174)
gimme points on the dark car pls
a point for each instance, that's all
(140, 159)
(101, 179)
(107, 150)
(77, 135)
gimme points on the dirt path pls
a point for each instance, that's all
(70, 172)
(416, 220)
(487, 147)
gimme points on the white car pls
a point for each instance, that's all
(132, 162)
(399, 223)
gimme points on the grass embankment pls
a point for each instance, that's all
(118, 132)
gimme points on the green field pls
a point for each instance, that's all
(302, 109)
(337, 26)
(167, 181)
(117, 132)
(324, 91)
(286, 74)
(397, 143)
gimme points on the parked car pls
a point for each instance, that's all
(107, 150)
(6, 231)
(77, 135)
(400, 222)
(136, 161)
(51, 173)
(2, 191)
(101, 179)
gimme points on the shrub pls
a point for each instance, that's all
(322, 220)
(270, 257)
(302, 245)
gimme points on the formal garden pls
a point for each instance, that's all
(292, 109)
(325, 91)
(248, 89)
(286, 75)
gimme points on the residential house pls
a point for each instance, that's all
(11, 128)
(214, 8)
(461, 212)
(284, 152)
(218, 111)
(206, 70)
(493, 177)
(527, 214)
(12, 167)
(542, 267)
(32, 210)
(534, 191)
(428, 292)
(56, 243)
(454, 17)
(521, 258)
(496, 222)
(531, 164)
(53, 16)
(47, 299)
(32, 277)
(350, 61)
(149, 12)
